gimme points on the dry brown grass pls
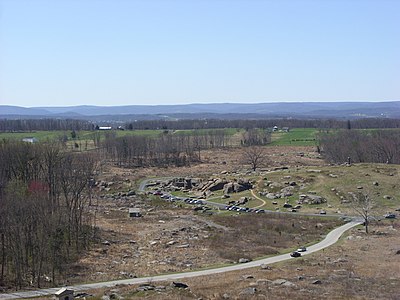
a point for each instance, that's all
(255, 235)
(360, 266)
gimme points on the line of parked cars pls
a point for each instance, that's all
(169, 197)
(243, 209)
(173, 198)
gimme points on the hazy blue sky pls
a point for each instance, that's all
(116, 52)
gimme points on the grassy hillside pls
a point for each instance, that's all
(334, 183)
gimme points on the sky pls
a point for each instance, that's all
(121, 52)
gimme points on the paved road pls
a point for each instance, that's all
(331, 238)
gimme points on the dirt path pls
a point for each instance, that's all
(258, 198)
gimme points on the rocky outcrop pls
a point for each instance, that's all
(311, 199)
(237, 186)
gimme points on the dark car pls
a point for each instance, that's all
(390, 216)
(295, 254)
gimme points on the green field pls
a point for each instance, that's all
(295, 137)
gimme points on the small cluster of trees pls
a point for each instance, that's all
(377, 146)
(179, 148)
(166, 149)
(43, 205)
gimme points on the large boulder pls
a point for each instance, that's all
(215, 185)
(311, 199)
(237, 186)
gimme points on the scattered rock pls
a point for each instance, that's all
(267, 267)
(398, 252)
(131, 193)
(248, 291)
(375, 183)
(78, 295)
(313, 171)
(145, 287)
(271, 196)
(263, 281)
(179, 285)
(288, 284)
(115, 296)
(279, 281)
(317, 281)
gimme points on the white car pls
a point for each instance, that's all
(302, 249)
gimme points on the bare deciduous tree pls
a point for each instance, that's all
(255, 157)
(363, 204)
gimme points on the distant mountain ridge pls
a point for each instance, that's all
(389, 109)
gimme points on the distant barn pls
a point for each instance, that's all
(30, 140)
(105, 127)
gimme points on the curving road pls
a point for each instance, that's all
(331, 238)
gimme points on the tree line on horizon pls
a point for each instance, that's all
(48, 124)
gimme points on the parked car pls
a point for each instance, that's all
(322, 212)
(390, 216)
(295, 254)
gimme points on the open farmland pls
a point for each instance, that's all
(295, 137)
